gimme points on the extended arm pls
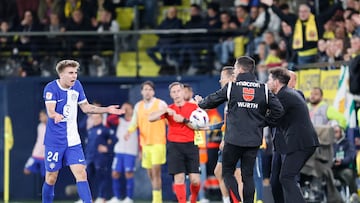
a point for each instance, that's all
(276, 110)
(92, 109)
(156, 115)
(216, 126)
(279, 13)
(133, 123)
(214, 100)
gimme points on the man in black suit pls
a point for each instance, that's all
(300, 138)
(279, 150)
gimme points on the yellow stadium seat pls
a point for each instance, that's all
(126, 67)
(147, 41)
(107, 53)
(125, 17)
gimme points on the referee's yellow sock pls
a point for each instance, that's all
(157, 196)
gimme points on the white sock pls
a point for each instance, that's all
(226, 199)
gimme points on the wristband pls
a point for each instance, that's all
(186, 121)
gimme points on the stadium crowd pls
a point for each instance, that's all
(270, 31)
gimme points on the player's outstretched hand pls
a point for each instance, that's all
(114, 109)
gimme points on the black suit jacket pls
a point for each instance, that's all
(295, 125)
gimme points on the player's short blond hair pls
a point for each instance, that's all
(61, 65)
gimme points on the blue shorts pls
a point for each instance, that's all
(123, 163)
(55, 157)
(35, 165)
(238, 164)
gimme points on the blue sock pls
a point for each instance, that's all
(47, 193)
(116, 187)
(84, 191)
(130, 187)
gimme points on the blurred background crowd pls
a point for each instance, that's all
(173, 37)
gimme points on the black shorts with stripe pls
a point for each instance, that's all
(183, 158)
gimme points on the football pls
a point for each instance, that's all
(199, 118)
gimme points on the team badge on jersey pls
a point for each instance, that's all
(48, 95)
(74, 97)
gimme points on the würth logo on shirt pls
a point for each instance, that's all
(248, 94)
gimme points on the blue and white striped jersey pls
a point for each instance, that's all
(64, 133)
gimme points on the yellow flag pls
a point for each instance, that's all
(8, 134)
(8, 144)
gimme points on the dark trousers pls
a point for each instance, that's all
(247, 157)
(91, 174)
(347, 176)
(276, 187)
(104, 182)
(290, 168)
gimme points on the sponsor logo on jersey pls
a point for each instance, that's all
(248, 84)
(248, 94)
(248, 105)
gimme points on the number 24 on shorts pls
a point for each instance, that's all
(52, 156)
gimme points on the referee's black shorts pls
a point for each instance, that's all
(183, 158)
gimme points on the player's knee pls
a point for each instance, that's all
(179, 178)
(51, 178)
(129, 174)
(218, 172)
(156, 173)
(26, 172)
(237, 174)
(80, 175)
(195, 179)
(115, 175)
